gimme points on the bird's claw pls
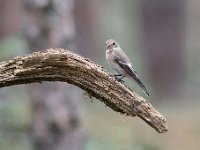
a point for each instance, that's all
(119, 79)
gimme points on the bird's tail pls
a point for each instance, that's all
(133, 75)
(139, 82)
(136, 78)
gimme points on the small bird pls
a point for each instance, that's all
(120, 62)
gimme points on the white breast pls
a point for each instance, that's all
(113, 64)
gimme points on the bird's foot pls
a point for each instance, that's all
(119, 79)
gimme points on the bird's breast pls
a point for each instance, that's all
(113, 63)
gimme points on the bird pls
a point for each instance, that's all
(120, 62)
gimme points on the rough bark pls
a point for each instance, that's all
(63, 65)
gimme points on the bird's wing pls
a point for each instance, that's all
(123, 61)
(121, 55)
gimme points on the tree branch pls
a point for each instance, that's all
(63, 65)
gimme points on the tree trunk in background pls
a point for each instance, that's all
(164, 38)
(85, 12)
(10, 16)
(57, 109)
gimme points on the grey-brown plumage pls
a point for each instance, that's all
(120, 62)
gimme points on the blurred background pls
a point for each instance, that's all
(160, 37)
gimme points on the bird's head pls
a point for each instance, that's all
(111, 44)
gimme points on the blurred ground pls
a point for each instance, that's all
(121, 132)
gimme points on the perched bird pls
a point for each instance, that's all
(120, 62)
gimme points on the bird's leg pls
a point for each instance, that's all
(119, 79)
(117, 75)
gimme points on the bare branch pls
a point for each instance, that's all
(63, 65)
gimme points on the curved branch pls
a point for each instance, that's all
(63, 65)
